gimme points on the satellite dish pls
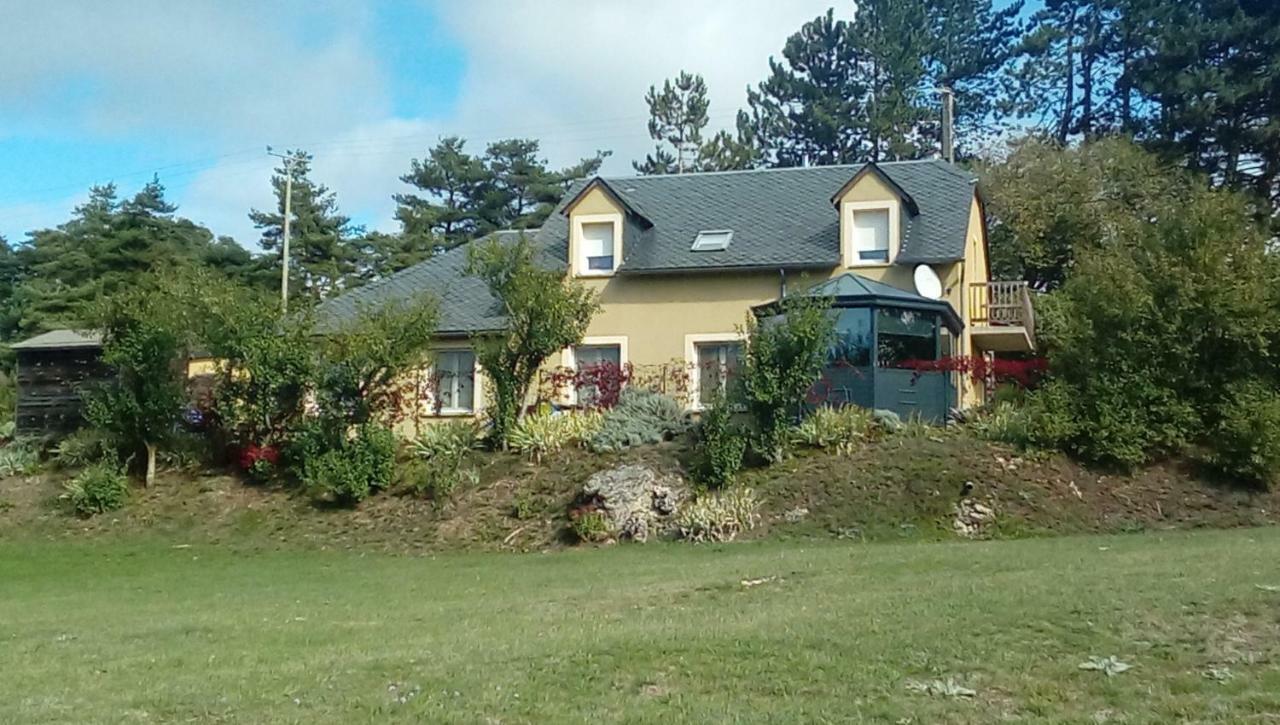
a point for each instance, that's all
(927, 282)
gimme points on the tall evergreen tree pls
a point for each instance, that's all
(677, 116)
(453, 185)
(323, 244)
(105, 248)
(1210, 80)
(867, 90)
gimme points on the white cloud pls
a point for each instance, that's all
(572, 74)
(575, 73)
(236, 71)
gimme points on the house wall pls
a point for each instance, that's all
(659, 316)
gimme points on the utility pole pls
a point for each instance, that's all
(288, 214)
(948, 124)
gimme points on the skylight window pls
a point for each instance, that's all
(713, 240)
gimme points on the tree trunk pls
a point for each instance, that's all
(151, 465)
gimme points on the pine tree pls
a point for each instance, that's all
(677, 116)
(453, 183)
(323, 247)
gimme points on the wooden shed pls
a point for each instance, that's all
(51, 368)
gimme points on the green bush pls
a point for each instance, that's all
(452, 440)
(541, 433)
(97, 489)
(785, 355)
(1003, 422)
(641, 417)
(718, 517)
(19, 458)
(1246, 440)
(84, 447)
(590, 526)
(348, 474)
(838, 429)
(722, 445)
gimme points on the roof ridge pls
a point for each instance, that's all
(779, 169)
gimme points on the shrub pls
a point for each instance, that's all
(590, 525)
(18, 458)
(97, 489)
(718, 517)
(437, 478)
(348, 474)
(1246, 443)
(447, 440)
(84, 447)
(785, 356)
(837, 429)
(542, 433)
(545, 313)
(723, 445)
(1003, 422)
(641, 417)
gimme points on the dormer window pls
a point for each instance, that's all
(712, 241)
(870, 232)
(596, 250)
(871, 235)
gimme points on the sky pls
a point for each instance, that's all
(195, 91)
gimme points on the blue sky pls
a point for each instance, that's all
(194, 91)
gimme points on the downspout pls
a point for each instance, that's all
(782, 283)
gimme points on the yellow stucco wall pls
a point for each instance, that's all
(656, 314)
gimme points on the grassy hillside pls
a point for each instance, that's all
(768, 631)
(899, 487)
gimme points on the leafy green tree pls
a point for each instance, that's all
(785, 355)
(1162, 318)
(1048, 204)
(323, 244)
(545, 313)
(143, 342)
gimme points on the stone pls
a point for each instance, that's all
(638, 501)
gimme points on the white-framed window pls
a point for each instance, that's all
(602, 360)
(609, 351)
(717, 365)
(595, 248)
(871, 235)
(870, 232)
(455, 381)
(713, 361)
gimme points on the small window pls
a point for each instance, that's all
(595, 249)
(455, 375)
(871, 235)
(712, 241)
(718, 363)
(597, 366)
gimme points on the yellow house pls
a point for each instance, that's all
(680, 261)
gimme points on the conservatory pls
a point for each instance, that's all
(887, 341)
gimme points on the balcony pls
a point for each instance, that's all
(1001, 317)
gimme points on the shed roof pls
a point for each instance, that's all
(61, 340)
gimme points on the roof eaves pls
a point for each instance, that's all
(872, 167)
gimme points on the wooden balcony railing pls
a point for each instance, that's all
(1001, 304)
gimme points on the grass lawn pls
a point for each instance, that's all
(145, 632)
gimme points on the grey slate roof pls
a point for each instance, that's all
(779, 217)
(61, 340)
(465, 303)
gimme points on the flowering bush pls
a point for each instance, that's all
(259, 461)
(1022, 373)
